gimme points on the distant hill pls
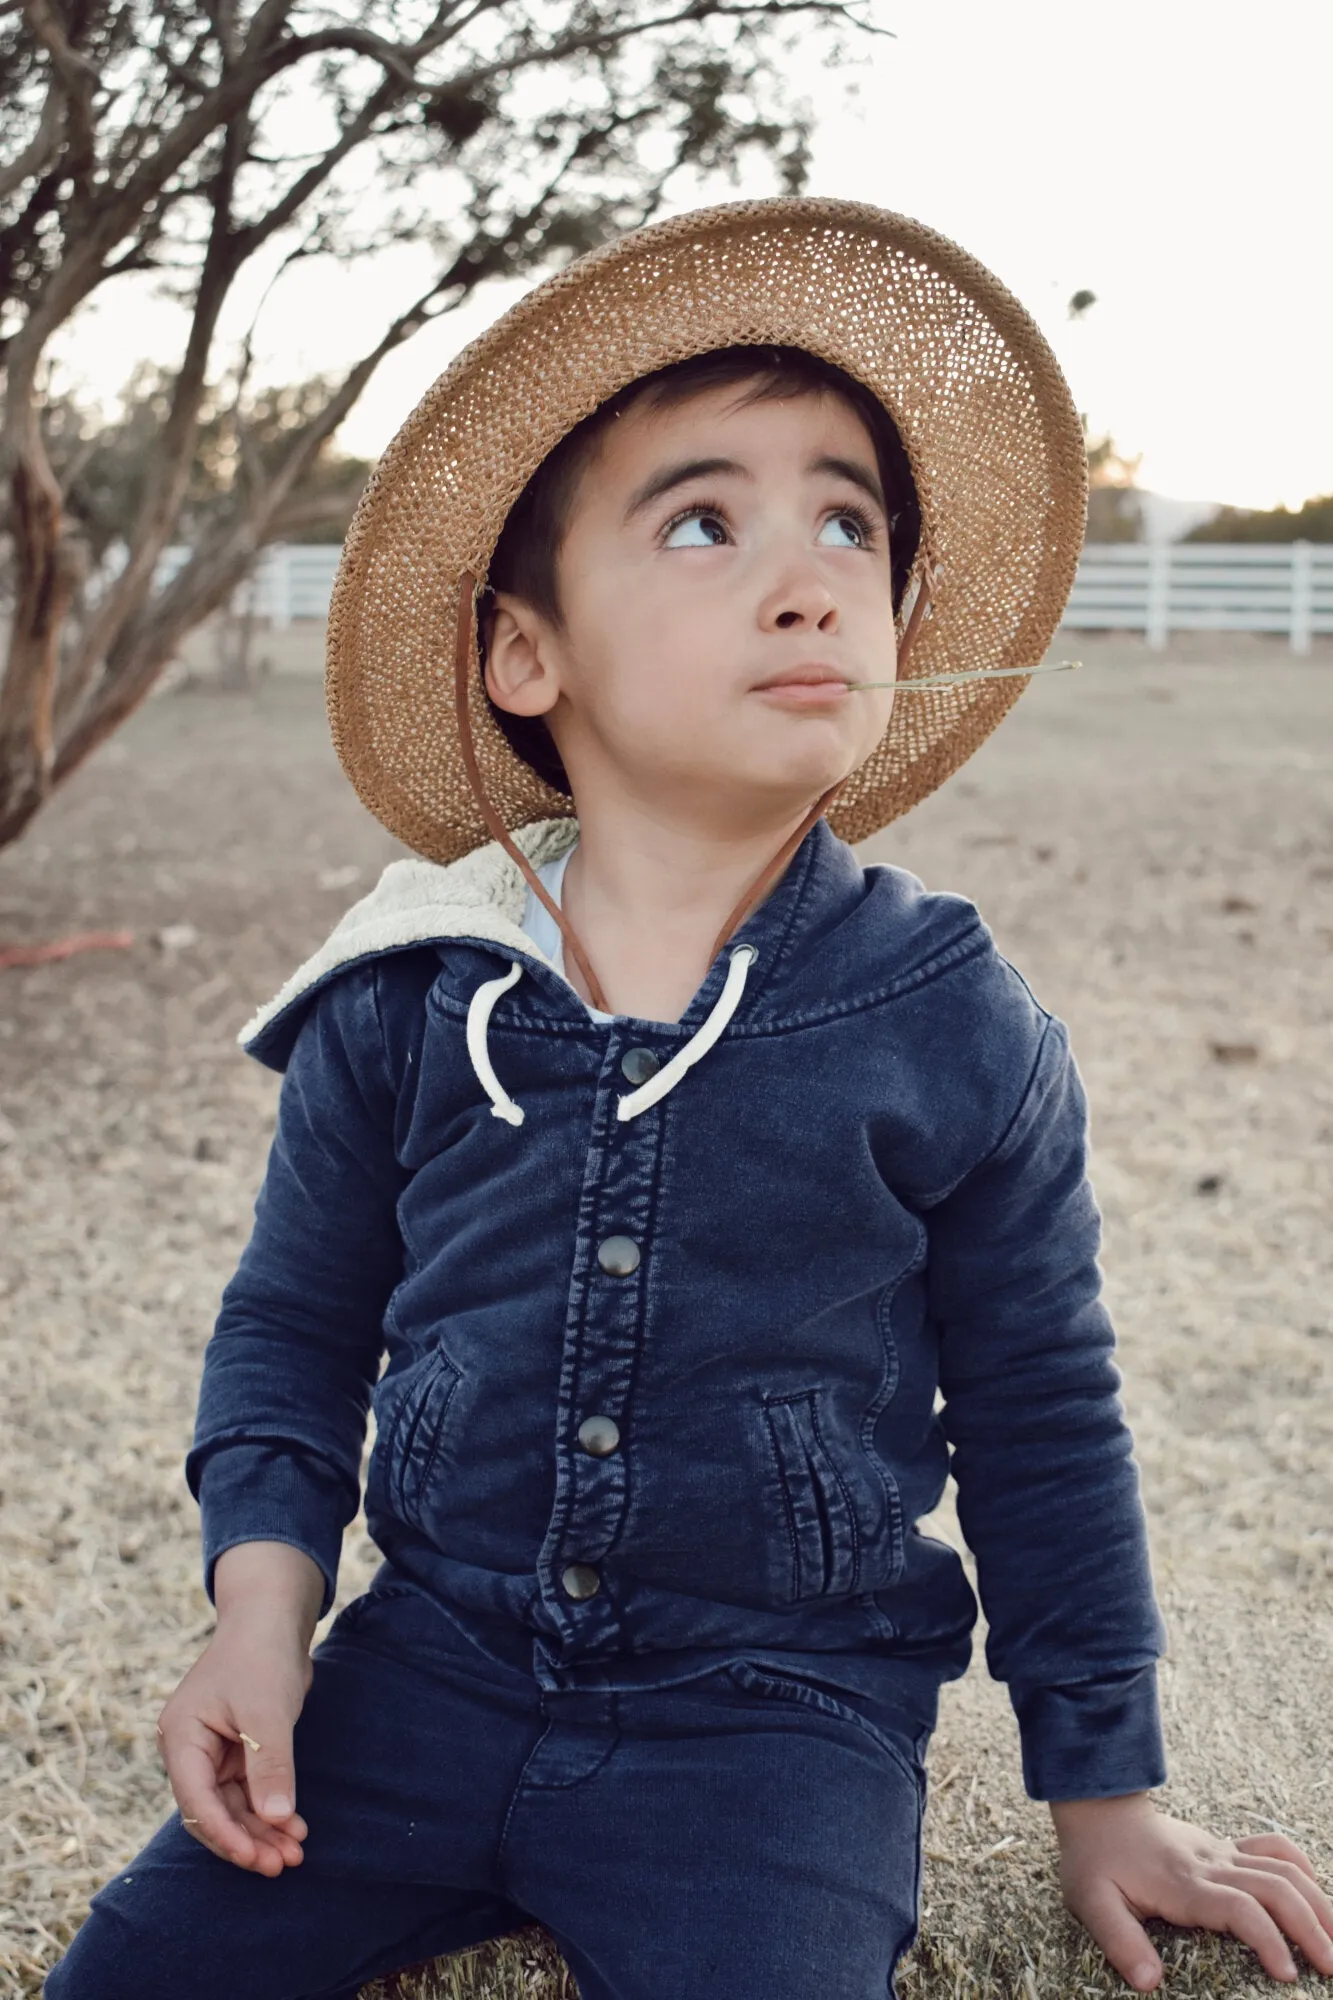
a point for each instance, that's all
(1170, 520)
(1311, 523)
(1131, 514)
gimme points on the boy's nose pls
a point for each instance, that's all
(802, 600)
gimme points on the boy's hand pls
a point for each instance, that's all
(1121, 1860)
(226, 1733)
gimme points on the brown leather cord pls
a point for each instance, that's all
(467, 599)
(763, 882)
(925, 592)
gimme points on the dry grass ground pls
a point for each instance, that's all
(1150, 842)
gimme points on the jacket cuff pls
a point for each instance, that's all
(1092, 1739)
(265, 1493)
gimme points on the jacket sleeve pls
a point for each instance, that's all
(1048, 1490)
(297, 1344)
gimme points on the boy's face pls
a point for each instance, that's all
(711, 547)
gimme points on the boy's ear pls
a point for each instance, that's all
(521, 663)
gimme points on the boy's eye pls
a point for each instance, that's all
(846, 530)
(700, 530)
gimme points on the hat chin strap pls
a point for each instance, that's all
(467, 594)
(758, 889)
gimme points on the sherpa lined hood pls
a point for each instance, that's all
(481, 895)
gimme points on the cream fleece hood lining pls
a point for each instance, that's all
(482, 894)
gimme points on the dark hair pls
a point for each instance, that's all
(526, 555)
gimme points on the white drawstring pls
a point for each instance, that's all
(657, 1086)
(478, 1014)
(699, 1043)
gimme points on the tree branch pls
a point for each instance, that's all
(78, 80)
(43, 143)
(120, 214)
(590, 40)
(352, 135)
(359, 128)
(166, 489)
(329, 509)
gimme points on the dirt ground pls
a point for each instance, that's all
(1150, 841)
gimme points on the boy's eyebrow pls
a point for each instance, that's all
(858, 475)
(662, 482)
(676, 475)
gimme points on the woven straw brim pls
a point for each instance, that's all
(984, 412)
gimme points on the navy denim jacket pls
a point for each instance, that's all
(843, 1243)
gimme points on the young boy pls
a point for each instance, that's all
(672, 1247)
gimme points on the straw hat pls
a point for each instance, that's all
(991, 434)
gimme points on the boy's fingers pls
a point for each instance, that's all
(290, 1852)
(292, 1828)
(269, 1774)
(1226, 1909)
(1289, 1871)
(203, 1809)
(282, 1840)
(1121, 1936)
(1292, 1910)
(1279, 1848)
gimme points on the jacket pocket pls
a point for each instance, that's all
(410, 1445)
(822, 1531)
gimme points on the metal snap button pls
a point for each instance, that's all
(599, 1436)
(639, 1064)
(581, 1580)
(619, 1255)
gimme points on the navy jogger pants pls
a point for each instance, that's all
(743, 1836)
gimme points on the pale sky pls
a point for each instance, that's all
(1171, 156)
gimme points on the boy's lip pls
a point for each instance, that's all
(813, 674)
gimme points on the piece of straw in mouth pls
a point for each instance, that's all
(974, 674)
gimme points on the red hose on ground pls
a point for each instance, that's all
(38, 954)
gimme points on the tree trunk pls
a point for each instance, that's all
(240, 669)
(47, 571)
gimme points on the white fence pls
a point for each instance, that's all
(1152, 587)
(1162, 587)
